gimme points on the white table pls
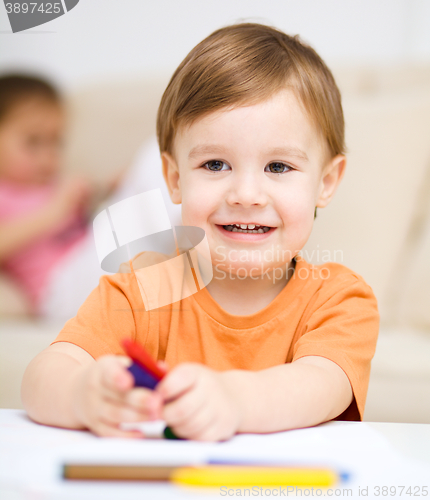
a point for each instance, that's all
(375, 454)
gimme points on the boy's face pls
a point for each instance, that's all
(263, 164)
(30, 142)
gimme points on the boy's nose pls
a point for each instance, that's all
(247, 190)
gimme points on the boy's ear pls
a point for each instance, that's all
(171, 177)
(333, 173)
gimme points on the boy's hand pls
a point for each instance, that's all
(104, 397)
(199, 404)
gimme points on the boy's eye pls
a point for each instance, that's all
(215, 165)
(278, 167)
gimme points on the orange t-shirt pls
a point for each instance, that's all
(326, 310)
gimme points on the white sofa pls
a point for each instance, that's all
(378, 223)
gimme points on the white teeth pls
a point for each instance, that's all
(242, 228)
(246, 226)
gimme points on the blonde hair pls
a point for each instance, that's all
(245, 64)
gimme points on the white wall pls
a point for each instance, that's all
(116, 38)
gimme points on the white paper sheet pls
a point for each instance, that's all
(31, 457)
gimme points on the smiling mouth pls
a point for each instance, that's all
(247, 228)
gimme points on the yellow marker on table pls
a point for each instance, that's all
(245, 475)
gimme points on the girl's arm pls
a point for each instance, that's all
(71, 195)
(18, 233)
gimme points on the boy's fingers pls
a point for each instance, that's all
(115, 376)
(124, 360)
(197, 428)
(163, 365)
(114, 414)
(140, 399)
(178, 381)
(144, 399)
(113, 396)
(121, 397)
(183, 409)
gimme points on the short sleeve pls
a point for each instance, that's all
(105, 318)
(342, 325)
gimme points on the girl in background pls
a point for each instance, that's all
(46, 241)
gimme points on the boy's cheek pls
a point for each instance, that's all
(196, 195)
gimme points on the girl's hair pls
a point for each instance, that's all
(15, 88)
(245, 64)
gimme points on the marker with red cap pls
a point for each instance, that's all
(145, 371)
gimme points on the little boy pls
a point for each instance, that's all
(251, 135)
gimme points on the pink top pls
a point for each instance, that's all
(31, 265)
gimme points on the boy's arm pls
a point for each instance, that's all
(306, 392)
(65, 387)
(48, 384)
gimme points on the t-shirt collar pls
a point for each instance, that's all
(288, 295)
